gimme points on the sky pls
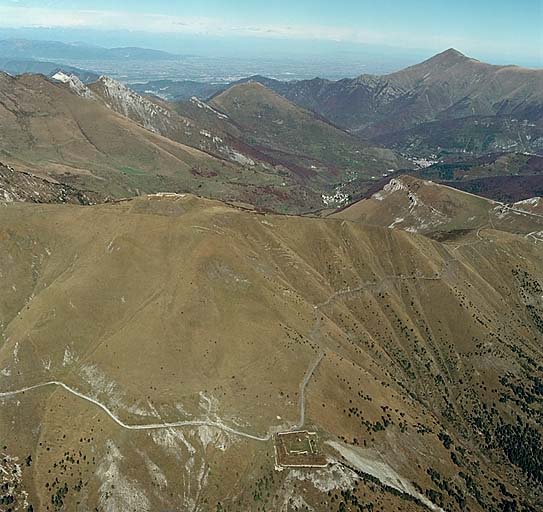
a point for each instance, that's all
(500, 30)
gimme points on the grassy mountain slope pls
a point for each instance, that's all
(417, 362)
(283, 130)
(47, 124)
(251, 126)
(193, 123)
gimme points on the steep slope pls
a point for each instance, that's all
(301, 165)
(130, 104)
(472, 135)
(25, 187)
(66, 129)
(285, 131)
(434, 209)
(451, 85)
(418, 108)
(195, 124)
(150, 349)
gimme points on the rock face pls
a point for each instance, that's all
(75, 84)
(132, 105)
(152, 347)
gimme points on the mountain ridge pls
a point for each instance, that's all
(28, 48)
(438, 210)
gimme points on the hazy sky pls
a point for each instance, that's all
(510, 28)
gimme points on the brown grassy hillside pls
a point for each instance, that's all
(170, 337)
(437, 210)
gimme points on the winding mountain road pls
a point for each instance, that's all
(175, 424)
(303, 386)
(148, 426)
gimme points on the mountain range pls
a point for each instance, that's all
(448, 103)
(53, 50)
(446, 86)
(109, 140)
(289, 158)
